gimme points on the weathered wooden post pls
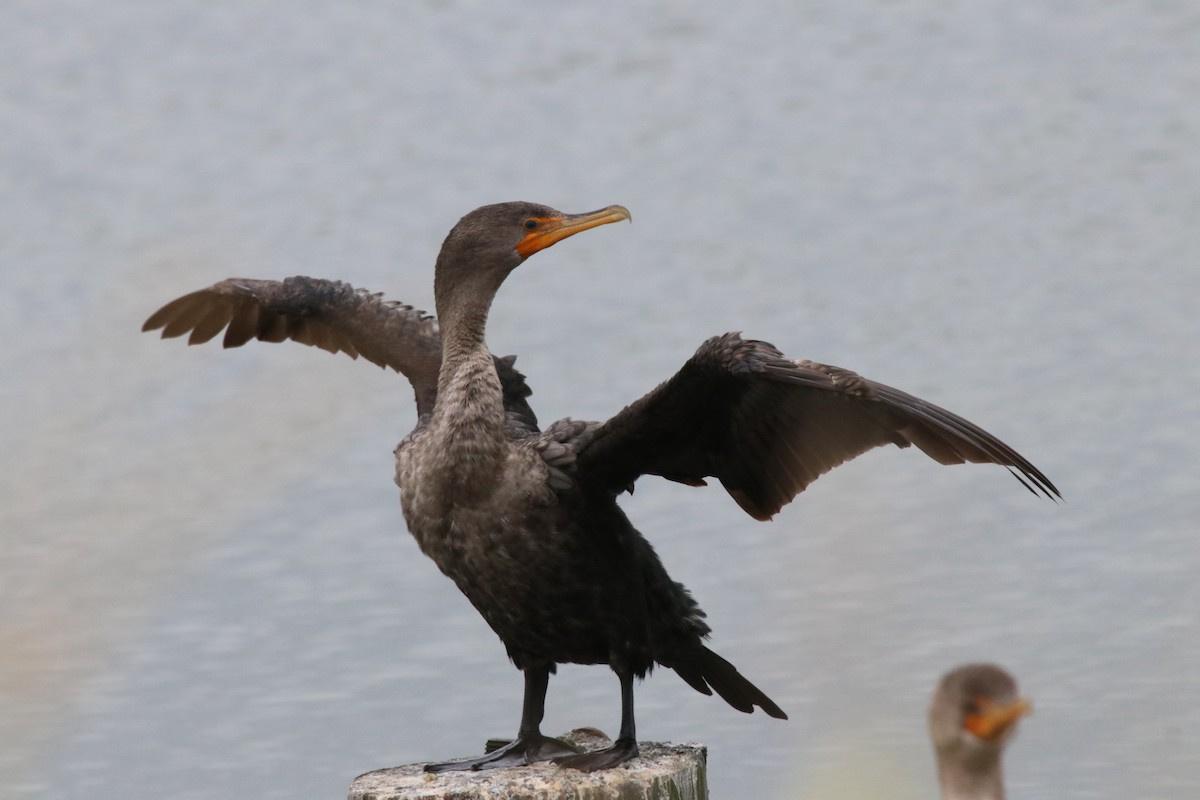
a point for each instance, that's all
(661, 772)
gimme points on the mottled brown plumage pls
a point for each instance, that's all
(526, 521)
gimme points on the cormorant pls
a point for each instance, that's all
(526, 521)
(973, 716)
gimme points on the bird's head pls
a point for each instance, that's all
(491, 241)
(974, 713)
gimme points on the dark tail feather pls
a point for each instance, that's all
(706, 672)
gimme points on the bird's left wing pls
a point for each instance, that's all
(333, 316)
(767, 427)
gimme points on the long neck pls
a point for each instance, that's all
(469, 392)
(462, 298)
(983, 780)
(463, 321)
(468, 417)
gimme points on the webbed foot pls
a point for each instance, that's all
(518, 753)
(622, 750)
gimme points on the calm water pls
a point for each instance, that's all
(205, 584)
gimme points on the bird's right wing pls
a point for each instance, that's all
(767, 426)
(333, 316)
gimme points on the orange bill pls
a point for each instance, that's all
(545, 231)
(993, 719)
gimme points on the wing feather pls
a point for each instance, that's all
(767, 427)
(335, 317)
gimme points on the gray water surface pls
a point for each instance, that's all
(206, 587)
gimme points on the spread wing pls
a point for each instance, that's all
(767, 427)
(333, 316)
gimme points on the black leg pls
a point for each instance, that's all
(530, 745)
(533, 706)
(623, 749)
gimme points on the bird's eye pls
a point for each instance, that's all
(531, 224)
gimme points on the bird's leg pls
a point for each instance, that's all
(624, 748)
(530, 745)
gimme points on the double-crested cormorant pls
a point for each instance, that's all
(973, 716)
(525, 521)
